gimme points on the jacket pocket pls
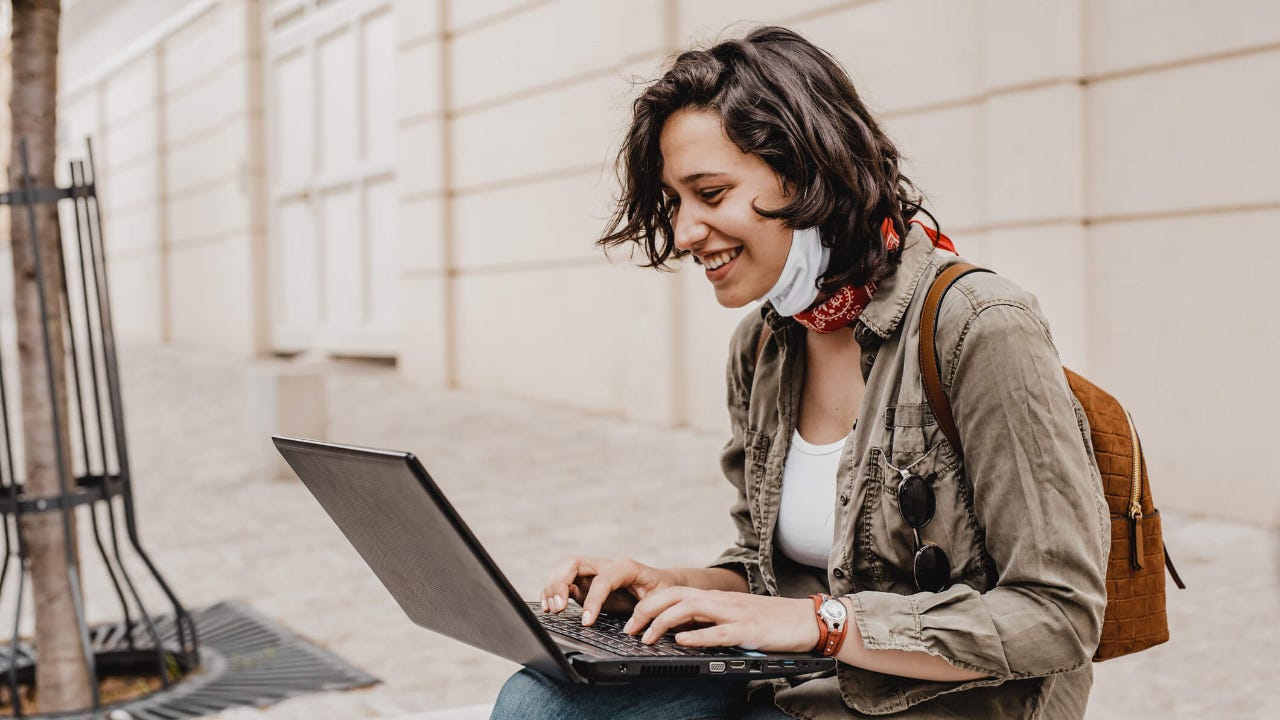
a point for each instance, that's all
(917, 446)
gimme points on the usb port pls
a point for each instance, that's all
(737, 664)
(772, 664)
(788, 663)
(716, 666)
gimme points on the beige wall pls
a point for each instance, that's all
(502, 287)
(170, 93)
(1181, 198)
(1116, 158)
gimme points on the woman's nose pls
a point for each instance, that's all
(690, 229)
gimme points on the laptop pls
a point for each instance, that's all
(413, 539)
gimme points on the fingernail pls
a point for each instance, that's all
(586, 617)
(544, 604)
(647, 633)
(558, 603)
(627, 628)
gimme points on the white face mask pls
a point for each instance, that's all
(797, 287)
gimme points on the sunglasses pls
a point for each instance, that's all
(916, 504)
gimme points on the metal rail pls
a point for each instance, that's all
(89, 347)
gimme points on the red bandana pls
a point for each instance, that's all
(842, 308)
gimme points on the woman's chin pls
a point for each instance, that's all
(728, 298)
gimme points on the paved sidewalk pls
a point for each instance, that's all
(536, 481)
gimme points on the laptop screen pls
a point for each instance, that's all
(414, 541)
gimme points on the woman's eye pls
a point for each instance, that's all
(711, 195)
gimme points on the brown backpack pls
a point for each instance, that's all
(1135, 616)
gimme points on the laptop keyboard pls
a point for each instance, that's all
(606, 634)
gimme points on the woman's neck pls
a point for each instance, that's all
(840, 341)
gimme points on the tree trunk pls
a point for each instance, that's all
(61, 671)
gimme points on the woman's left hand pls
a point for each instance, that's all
(754, 622)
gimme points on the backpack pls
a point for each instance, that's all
(1135, 616)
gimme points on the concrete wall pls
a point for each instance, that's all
(521, 106)
(1181, 201)
(1113, 157)
(170, 92)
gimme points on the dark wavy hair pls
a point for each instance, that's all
(788, 102)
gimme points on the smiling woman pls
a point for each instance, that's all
(775, 122)
(943, 588)
(711, 194)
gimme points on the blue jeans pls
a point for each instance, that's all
(530, 695)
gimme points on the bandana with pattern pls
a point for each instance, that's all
(843, 308)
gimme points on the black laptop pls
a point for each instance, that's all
(419, 547)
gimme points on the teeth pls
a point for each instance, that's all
(715, 261)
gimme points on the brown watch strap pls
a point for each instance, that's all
(822, 625)
(835, 640)
(929, 368)
(829, 639)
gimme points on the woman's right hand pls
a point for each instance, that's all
(601, 584)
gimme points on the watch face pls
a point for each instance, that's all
(834, 610)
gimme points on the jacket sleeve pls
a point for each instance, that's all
(1037, 497)
(744, 556)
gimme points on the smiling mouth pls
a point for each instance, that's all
(720, 259)
(719, 268)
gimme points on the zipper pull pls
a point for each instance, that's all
(1135, 541)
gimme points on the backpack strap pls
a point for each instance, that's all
(1173, 572)
(932, 375)
(930, 371)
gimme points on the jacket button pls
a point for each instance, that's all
(844, 499)
(871, 359)
(839, 573)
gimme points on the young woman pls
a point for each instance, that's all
(974, 586)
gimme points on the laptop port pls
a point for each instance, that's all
(772, 664)
(738, 664)
(788, 663)
(716, 666)
(756, 666)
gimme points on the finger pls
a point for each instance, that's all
(714, 636)
(601, 586)
(566, 572)
(686, 611)
(654, 603)
(554, 584)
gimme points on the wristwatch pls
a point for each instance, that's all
(831, 614)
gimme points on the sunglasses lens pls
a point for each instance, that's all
(916, 501)
(933, 569)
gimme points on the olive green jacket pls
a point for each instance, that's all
(1021, 516)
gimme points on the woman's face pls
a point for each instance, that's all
(712, 185)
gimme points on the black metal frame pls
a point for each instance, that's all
(100, 413)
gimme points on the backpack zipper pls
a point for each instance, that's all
(1135, 500)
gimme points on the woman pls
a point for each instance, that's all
(976, 588)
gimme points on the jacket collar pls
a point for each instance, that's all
(884, 313)
(893, 294)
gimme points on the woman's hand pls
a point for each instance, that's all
(601, 584)
(754, 622)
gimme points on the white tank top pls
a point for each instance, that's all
(806, 513)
